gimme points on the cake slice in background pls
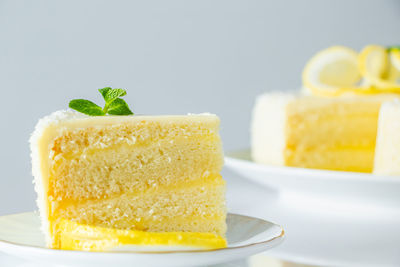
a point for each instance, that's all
(140, 173)
(335, 133)
(387, 151)
(332, 122)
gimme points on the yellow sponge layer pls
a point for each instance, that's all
(142, 173)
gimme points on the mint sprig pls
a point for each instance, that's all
(114, 104)
(394, 47)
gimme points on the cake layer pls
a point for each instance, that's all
(387, 151)
(104, 172)
(192, 207)
(315, 132)
(205, 199)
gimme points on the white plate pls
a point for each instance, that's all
(20, 236)
(291, 180)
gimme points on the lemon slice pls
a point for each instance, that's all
(332, 71)
(375, 65)
(75, 236)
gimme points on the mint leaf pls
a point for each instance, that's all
(103, 91)
(395, 47)
(119, 107)
(110, 94)
(87, 107)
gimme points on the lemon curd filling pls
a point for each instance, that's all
(76, 236)
(144, 180)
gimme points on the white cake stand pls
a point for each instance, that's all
(331, 218)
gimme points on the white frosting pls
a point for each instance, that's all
(387, 150)
(52, 119)
(268, 127)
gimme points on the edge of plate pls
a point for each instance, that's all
(232, 158)
(280, 237)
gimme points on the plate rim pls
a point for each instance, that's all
(277, 238)
(232, 158)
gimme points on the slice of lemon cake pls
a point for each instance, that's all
(143, 180)
(387, 151)
(336, 133)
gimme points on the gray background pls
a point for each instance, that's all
(172, 56)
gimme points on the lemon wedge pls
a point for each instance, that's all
(332, 71)
(75, 236)
(376, 67)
